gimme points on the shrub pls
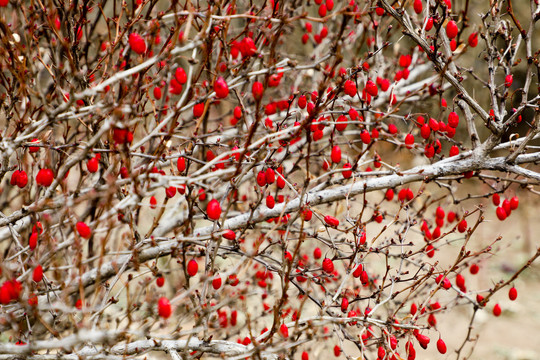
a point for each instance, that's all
(220, 180)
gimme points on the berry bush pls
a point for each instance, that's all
(282, 179)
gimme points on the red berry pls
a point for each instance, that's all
(181, 164)
(92, 165)
(221, 88)
(512, 294)
(425, 131)
(305, 356)
(454, 150)
(44, 177)
(506, 207)
(439, 213)
(32, 241)
(337, 350)
(358, 271)
(384, 84)
(473, 39)
(381, 353)
(451, 29)
(22, 179)
(330, 4)
(124, 173)
(410, 350)
(460, 281)
(180, 75)
(170, 192)
(353, 114)
(302, 102)
(198, 109)
(429, 151)
(270, 176)
(192, 267)
(284, 330)
(328, 266)
(347, 173)
(364, 136)
(270, 202)
(453, 44)
(402, 195)
(389, 195)
(122, 136)
(433, 124)
(514, 202)
(83, 230)
(237, 112)
(474, 269)
(508, 80)
(326, 165)
(349, 87)
(479, 299)
(497, 310)
(462, 226)
(164, 308)
(322, 10)
(430, 251)
(5, 294)
(137, 43)
(175, 87)
(160, 281)
(423, 340)
(331, 221)
(501, 213)
(417, 5)
(453, 119)
(393, 342)
(409, 141)
(336, 154)
(213, 209)
(14, 177)
(216, 282)
(257, 90)
(248, 47)
(405, 60)
(317, 253)
(371, 88)
(280, 182)
(344, 304)
(229, 235)
(429, 24)
(261, 178)
(153, 202)
(409, 194)
(37, 275)
(157, 93)
(441, 346)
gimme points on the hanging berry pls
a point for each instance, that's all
(213, 209)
